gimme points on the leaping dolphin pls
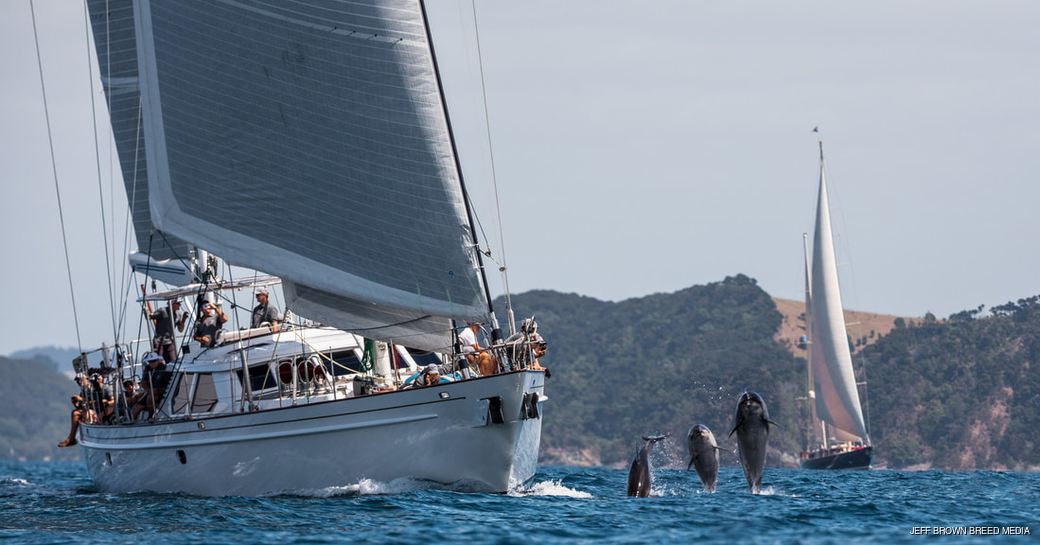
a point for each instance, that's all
(639, 477)
(704, 455)
(751, 425)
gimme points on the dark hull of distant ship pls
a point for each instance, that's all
(853, 459)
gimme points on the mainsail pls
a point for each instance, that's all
(112, 22)
(309, 140)
(837, 400)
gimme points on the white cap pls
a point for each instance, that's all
(150, 357)
(261, 289)
(432, 368)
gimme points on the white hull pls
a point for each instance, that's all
(440, 434)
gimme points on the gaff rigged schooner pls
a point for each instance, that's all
(309, 140)
(838, 437)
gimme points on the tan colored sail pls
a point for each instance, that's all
(837, 400)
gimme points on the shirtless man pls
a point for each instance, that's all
(80, 413)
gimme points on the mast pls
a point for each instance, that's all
(496, 332)
(810, 394)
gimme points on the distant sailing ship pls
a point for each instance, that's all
(838, 436)
(311, 141)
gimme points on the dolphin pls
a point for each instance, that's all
(704, 455)
(751, 425)
(639, 478)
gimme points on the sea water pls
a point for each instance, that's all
(57, 503)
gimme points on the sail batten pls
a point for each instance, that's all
(837, 399)
(284, 138)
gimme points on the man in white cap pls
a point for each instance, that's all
(265, 313)
(432, 375)
(154, 380)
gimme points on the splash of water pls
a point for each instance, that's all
(548, 488)
(774, 491)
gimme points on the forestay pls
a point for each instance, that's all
(112, 22)
(837, 400)
(309, 140)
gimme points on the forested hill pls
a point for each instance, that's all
(34, 409)
(660, 363)
(961, 393)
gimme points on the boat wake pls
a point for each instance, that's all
(548, 488)
(367, 487)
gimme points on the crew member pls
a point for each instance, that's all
(475, 354)
(432, 376)
(154, 379)
(165, 319)
(210, 324)
(264, 313)
(80, 413)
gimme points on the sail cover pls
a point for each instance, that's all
(837, 400)
(308, 139)
(112, 22)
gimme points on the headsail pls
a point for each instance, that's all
(112, 22)
(308, 140)
(837, 400)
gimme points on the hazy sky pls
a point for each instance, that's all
(641, 147)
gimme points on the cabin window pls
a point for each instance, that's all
(347, 363)
(260, 378)
(205, 394)
(423, 358)
(180, 394)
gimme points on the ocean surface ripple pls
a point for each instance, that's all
(57, 503)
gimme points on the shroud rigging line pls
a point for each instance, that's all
(54, 170)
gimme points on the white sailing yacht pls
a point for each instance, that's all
(309, 140)
(838, 438)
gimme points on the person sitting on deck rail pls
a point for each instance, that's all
(165, 319)
(475, 354)
(80, 413)
(154, 379)
(265, 313)
(210, 324)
